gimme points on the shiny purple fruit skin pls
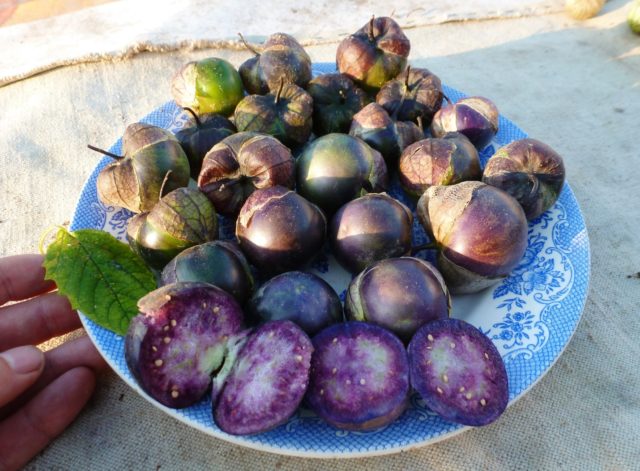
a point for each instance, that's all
(336, 168)
(220, 263)
(374, 126)
(278, 230)
(480, 231)
(475, 117)
(200, 136)
(370, 228)
(400, 294)
(303, 298)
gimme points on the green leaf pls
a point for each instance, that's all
(100, 275)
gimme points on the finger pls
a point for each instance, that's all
(69, 355)
(36, 320)
(32, 427)
(22, 277)
(76, 352)
(19, 369)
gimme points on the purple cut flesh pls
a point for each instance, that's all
(359, 376)
(267, 381)
(179, 339)
(458, 372)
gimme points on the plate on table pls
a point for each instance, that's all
(530, 316)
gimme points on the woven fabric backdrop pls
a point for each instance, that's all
(574, 86)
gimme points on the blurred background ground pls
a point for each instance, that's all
(13, 12)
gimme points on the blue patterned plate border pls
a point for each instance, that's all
(530, 316)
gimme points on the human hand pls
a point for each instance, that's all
(40, 393)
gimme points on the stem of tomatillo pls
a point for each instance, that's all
(195, 116)
(371, 36)
(247, 45)
(343, 97)
(104, 152)
(394, 116)
(251, 177)
(164, 182)
(279, 91)
(420, 126)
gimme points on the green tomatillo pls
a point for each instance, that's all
(209, 85)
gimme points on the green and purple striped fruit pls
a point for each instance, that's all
(337, 168)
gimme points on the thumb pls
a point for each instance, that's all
(19, 368)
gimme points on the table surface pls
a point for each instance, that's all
(576, 86)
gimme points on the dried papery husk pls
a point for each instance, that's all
(583, 9)
(153, 165)
(239, 164)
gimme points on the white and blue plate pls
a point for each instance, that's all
(530, 316)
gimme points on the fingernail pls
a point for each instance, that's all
(23, 360)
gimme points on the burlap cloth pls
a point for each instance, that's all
(121, 29)
(573, 85)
